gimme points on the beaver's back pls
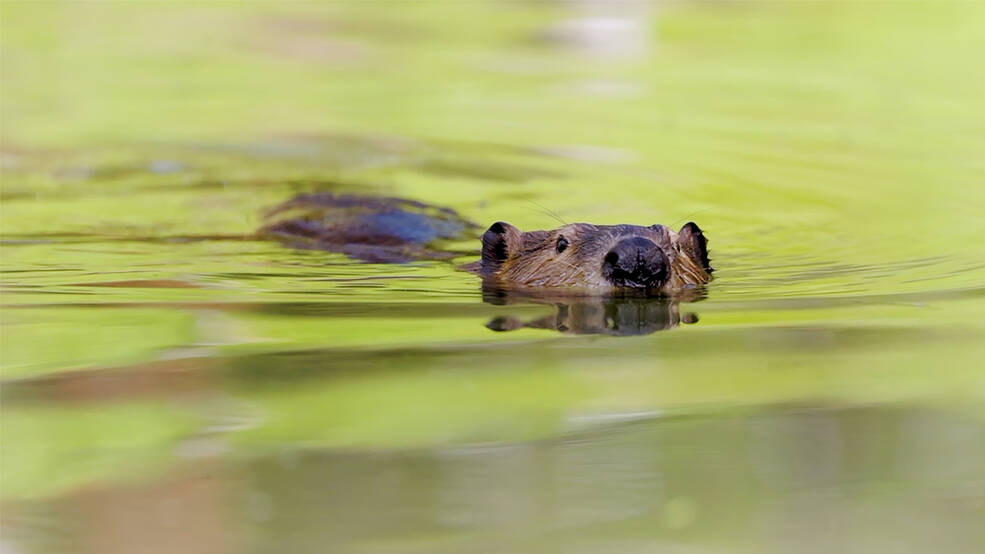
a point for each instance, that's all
(373, 229)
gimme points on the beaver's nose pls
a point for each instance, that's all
(637, 263)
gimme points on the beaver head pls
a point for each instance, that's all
(597, 257)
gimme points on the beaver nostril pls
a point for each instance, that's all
(635, 263)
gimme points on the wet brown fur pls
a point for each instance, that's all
(392, 230)
(531, 259)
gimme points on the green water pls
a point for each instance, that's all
(172, 384)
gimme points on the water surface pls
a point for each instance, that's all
(172, 383)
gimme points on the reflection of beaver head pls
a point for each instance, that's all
(604, 316)
(597, 257)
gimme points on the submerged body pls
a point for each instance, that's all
(366, 228)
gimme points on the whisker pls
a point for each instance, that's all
(689, 216)
(549, 212)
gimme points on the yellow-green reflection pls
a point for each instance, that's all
(155, 354)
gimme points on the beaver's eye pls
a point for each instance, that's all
(562, 243)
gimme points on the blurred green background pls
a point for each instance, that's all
(164, 370)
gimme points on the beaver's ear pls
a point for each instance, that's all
(694, 243)
(499, 242)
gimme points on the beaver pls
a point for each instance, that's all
(576, 258)
(596, 258)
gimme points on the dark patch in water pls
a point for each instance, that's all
(370, 229)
